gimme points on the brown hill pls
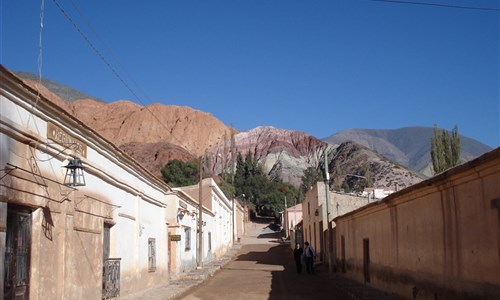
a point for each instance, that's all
(350, 158)
(157, 133)
(152, 134)
(285, 154)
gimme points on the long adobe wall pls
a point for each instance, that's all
(439, 239)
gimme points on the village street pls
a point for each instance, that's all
(264, 269)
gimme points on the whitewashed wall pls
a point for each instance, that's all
(118, 192)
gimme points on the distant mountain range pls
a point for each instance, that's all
(387, 157)
(63, 91)
(409, 146)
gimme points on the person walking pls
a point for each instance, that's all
(309, 255)
(297, 254)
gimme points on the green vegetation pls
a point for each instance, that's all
(178, 173)
(310, 177)
(266, 195)
(262, 194)
(445, 149)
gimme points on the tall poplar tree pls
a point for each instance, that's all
(445, 149)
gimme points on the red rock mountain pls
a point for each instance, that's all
(157, 133)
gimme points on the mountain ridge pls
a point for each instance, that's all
(409, 146)
(181, 132)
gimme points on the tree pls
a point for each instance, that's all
(267, 196)
(310, 177)
(445, 149)
(178, 173)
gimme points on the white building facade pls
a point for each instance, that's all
(102, 239)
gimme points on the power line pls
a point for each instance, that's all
(108, 64)
(439, 5)
(75, 6)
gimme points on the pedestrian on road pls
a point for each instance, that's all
(309, 255)
(297, 254)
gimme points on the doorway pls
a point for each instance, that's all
(366, 260)
(342, 253)
(17, 254)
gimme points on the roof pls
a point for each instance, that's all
(11, 83)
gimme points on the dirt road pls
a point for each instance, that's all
(264, 269)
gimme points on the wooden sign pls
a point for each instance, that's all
(175, 237)
(63, 138)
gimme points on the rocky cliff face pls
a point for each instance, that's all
(157, 133)
(284, 154)
(409, 146)
(152, 134)
(350, 158)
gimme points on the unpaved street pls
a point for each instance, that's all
(264, 269)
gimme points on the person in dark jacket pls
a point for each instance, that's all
(309, 255)
(297, 254)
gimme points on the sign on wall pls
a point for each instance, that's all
(63, 138)
(175, 237)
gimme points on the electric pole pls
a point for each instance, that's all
(200, 217)
(329, 241)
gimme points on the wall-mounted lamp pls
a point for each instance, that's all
(74, 173)
(316, 212)
(180, 213)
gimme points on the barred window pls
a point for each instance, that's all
(152, 254)
(187, 234)
(209, 241)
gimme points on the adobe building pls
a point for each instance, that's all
(65, 234)
(217, 240)
(316, 215)
(438, 239)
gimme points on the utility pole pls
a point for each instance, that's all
(285, 219)
(233, 220)
(200, 217)
(329, 241)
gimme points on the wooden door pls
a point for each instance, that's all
(17, 255)
(366, 260)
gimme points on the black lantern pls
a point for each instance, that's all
(74, 173)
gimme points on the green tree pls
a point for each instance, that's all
(267, 196)
(445, 149)
(310, 177)
(178, 173)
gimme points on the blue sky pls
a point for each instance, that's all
(312, 66)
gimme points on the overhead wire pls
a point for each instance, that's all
(33, 160)
(439, 5)
(107, 48)
(108, 64)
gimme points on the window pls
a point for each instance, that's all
(152, 254)
(187, 234)
(106, 241)
(209, 241)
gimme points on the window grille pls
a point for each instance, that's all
(187, 233)
(152, 254)
(209, 241)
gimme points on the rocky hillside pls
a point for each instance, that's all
(350, 158)
(62, 91)
(157, 133)
(286, 154)
(409, 146)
